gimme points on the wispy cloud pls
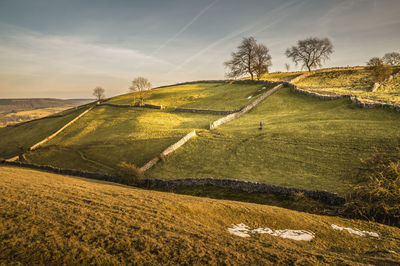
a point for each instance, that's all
(28, 55)
(184, 28)
(256, 26)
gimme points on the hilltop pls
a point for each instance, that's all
(80, 221)
(356, 81)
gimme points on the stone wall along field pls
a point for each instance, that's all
(244, 186)
(151, 106)
(360, 102)
(60, 130)
(205, 111)
(168, 150)
(245, 109)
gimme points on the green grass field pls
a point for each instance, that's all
(17, 139)
(59, 220)
(356, 81)
(306, 143)
(106, 136)
(216, 96)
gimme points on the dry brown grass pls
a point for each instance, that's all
(53, 219)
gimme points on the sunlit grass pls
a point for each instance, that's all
(17, 139)
(53, 219)
(356, 81)
(305, 142)
(217, 96)
(281, 76)
(106, 136)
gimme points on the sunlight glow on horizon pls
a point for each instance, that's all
(64, 49)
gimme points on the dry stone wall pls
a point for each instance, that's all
(168, 150)
(360, 102)
(60, 130)
(35, 146)
(151, 106)
(244, 186)
(245, 109)
(205, 111)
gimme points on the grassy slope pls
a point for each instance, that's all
(391, 88)
(14, 140)
(217, 96)
(348, 81)
(281, 76)
(305, 143)
(107, 136)
(52, 219)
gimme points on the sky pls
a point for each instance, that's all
(65, 48)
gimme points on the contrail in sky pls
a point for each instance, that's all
(185, 27)
(232, 35)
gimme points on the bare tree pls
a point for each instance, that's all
(379, 70)
(262, 60)
(249, 59)
(374, 62)
(139, 86)
(392, 58)
(287, 67)
(98, 92)
(311, 52)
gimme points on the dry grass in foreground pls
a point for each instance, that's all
(53, 219)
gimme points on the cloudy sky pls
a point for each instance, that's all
(65, 48)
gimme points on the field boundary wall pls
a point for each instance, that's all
(168, 150)
(244, 186)
(246, 108)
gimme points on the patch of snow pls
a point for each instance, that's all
(354, 231)
(239, 230)
(249, 97)
(299, 235)
(243, 230)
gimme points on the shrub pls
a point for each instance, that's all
(379, 197)
(129, 174)
(379, 70)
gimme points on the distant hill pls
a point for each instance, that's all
(20, 110)
(14, 105)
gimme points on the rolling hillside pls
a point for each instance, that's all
(53, 219)
(216, 96)
(16, 139)
(355, 81)
(109, 135)
(305, 142)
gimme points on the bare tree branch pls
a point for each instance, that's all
(250, 58)
(311, 52)
(98, 92)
